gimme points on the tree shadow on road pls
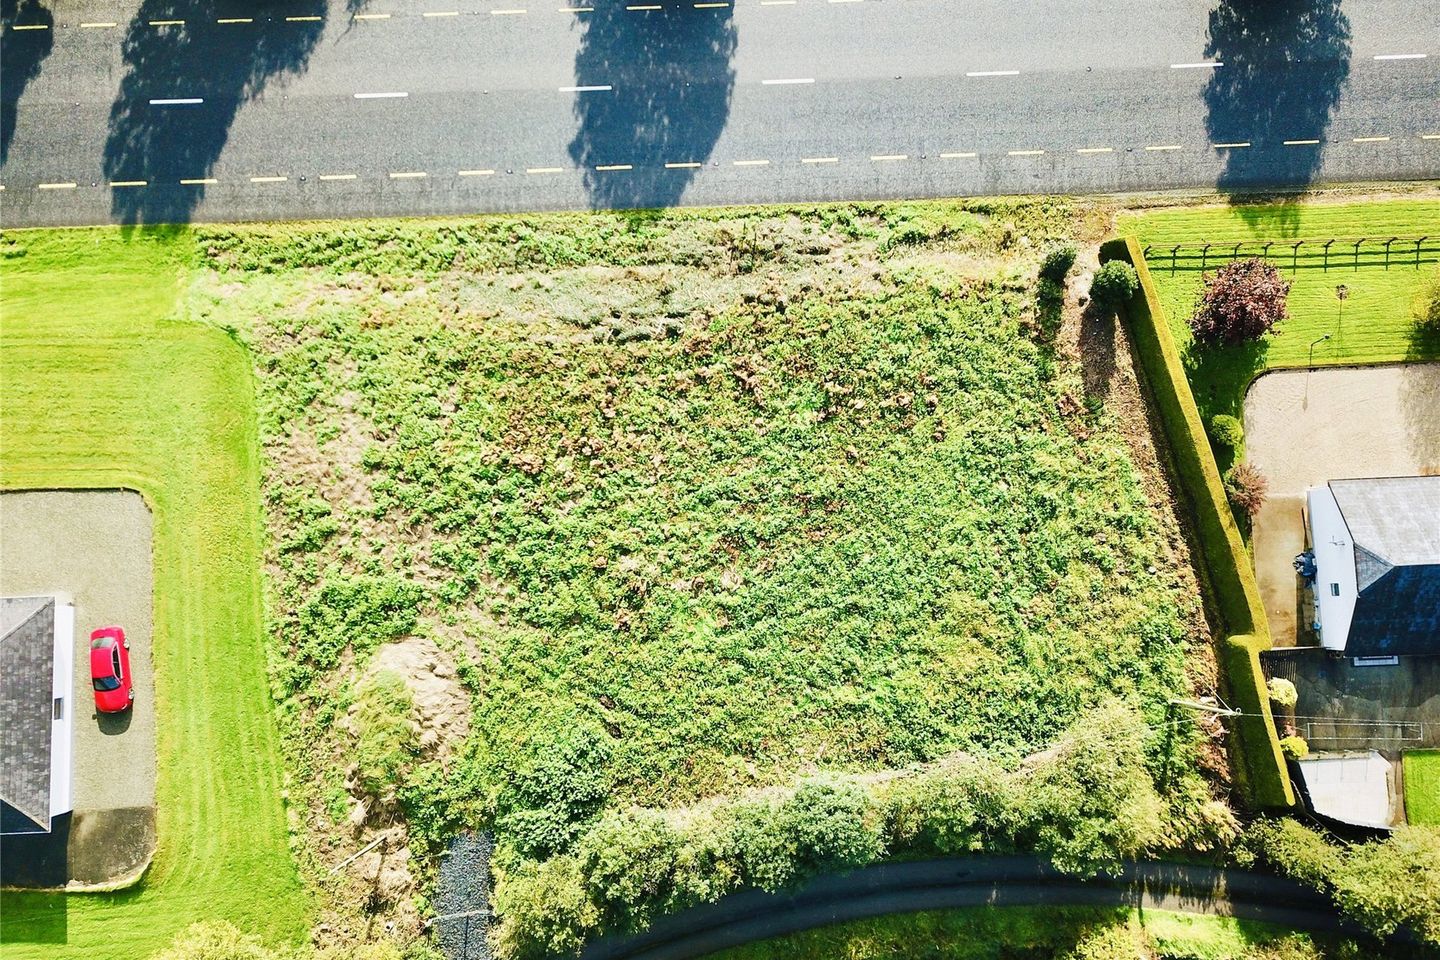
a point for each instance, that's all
(20, 59)
(672, 78)
(226, 66)
(1285, 67)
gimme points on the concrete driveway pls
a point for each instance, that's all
(95, 547)
(1303, 428)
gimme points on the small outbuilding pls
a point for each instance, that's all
(37, 642)
(1375, 564)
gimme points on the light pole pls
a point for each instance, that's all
(1311, 362)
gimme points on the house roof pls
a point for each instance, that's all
(1394, 523)
(27, 666)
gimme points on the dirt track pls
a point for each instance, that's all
(1303, 428)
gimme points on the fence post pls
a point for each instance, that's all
(1295, 256)
(1174, 252)
(1357, 253)
(1235, 254)
(1204, 257)
(1417, 251)
(1387, 251)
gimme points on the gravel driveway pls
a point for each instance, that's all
(95, 547)
(1303, 428)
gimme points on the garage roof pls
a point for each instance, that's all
(27, 665)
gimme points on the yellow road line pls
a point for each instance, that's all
(887, 157)
(57, 186)
(268, 179)
(709, 6)
(1301, 143)
(1027, 153)
(1238, 145)
(441, 13)
(30, 26)
(372, 16)
(544, 169)
(167, 23)
(236, 20)
(1096, 150)
(1168, 146)
(475, 173)
(1369, 139)
(409, 175)
(129, 183)
(689, 165)
(1430, 136)
(958, 156)
(301, 19)
(644, 6)
(337, 176)
(614, 166)
(198, 181)
(97, 24)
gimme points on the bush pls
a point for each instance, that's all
(1057, 263)
(1114, 284)
(1246, 488)
(1426, 308)
(1294, 748)
(385, 751)
(1240, 302)
(1050, 293)
(551, 799)
(1282, 692)
(1227, 431)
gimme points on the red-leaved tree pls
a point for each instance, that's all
(1241, 301)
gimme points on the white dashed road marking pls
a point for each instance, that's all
(598, 88)
(688, 165)
(1301, 143)
(176, 101)
(57, 186)
(337, 176)
(958, 156)
(1238, 145)
(612, 167)
(1369, 139)
(1402, 56)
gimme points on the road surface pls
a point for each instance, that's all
(167, 111)
(969, 882)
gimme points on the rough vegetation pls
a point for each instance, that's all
(697, 504)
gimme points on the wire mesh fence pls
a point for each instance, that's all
(1325, 253)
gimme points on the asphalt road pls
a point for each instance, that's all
(170, 111)
(970, 882)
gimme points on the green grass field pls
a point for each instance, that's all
(710, 496)
(97, 389)
(1051, 933)
(1422, 786)
(1375, 327)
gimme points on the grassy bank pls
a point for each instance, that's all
(98, 389)
(1372, 326)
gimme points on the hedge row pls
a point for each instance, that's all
(1087, 803)
(1260, 767)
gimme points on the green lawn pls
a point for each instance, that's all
(1375, 327)
(98, 390)
(1422, 786)
(1038, 933)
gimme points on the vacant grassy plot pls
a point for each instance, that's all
(98, 390)
(1422, 786)
(1375, 325)
(1041, 933)
(697, 501)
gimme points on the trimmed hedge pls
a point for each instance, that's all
(1259, 767)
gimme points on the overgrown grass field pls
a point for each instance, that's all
(1373, 325)
(697, 500)
(1422, 786)
(98, 389)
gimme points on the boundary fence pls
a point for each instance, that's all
(1326, 253)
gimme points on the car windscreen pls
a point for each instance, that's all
(106, 683)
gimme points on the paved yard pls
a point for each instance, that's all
(1345, 707)
(1305, 427)
(95, 547)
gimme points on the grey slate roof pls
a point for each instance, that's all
(1394, 523)
(27, 667)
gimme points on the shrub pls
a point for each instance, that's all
(1050, 293)
(550, 800)
(1226, 431)
(385, 749)
(1426, 308)
(1282, 692)
(628, 860)
(1294, 748)
(1246, 488)
(1240, 302)
(834, 826)
(545, 908)
(1114, 284)
(1394, 883)
(1057, 262)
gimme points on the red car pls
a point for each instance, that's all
(110, 670)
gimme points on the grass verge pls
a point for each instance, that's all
(100, 392)
(1422, 787)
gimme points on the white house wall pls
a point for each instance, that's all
(1335, 568)
(63, 690)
